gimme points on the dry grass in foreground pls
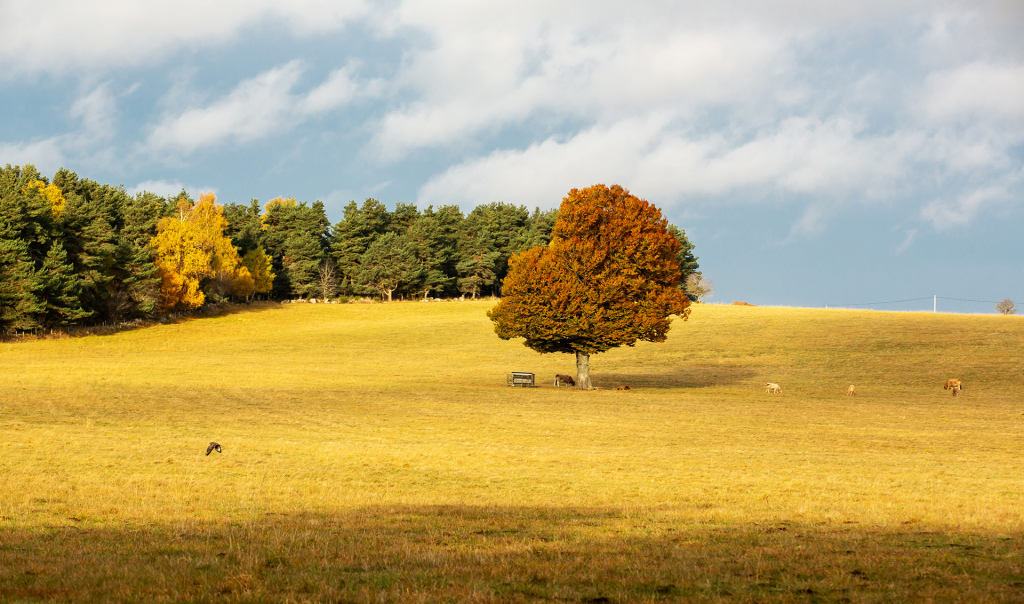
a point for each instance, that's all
(372, 453)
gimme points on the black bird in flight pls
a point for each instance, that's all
(213, 447)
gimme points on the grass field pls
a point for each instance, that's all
(372, 453)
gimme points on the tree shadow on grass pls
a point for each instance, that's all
(505, 554)
(694, 376)
(205, 312)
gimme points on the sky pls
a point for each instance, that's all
(816, 152)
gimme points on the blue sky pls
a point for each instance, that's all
(816, 152)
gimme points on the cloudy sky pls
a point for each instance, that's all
(816, 152)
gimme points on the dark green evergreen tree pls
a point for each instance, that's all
(476, 269)
(541, 224)
(245, 225)
(295, 230)
(26, 230)
(402, 218)
(687, 261)
(58, 290)
(89, 232)
(359, 227)
(303, 255)
(509, 230)
(388, 263)
(20, 306)
(434, 242)
(134, 290)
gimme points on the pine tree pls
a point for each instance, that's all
(245, 227)
(20, 306)
(88, 231)
(59, 289)
(26, 228)
(434, 246)
(477, 267)
(508, 227)
(387, 264)
(303, 255)
(687, 261)
(134, 291)
(353, 235)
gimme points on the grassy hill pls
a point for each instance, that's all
(373, 453)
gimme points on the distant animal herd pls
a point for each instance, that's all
(955, 385)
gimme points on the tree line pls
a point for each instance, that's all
(77, 252)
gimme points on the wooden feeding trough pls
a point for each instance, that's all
(521, 379)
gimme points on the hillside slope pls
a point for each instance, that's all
(382, 439)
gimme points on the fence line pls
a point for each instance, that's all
(911, 300)
(876, 303)
(964, 300)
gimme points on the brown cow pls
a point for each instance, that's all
(850, 391)
(956, 390)
(770, 387)
(952, 384)
(564, 380)
(623, 388)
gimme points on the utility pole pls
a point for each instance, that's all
(935, 303)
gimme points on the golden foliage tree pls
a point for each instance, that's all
(53, 195)
(608, 278)
(190, 248)
(260, 269)
(243, 284)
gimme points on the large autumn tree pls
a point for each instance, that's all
(608, 278)
(192, 250)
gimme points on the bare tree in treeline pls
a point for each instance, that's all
(698, 286)
(1007, 307)
(328, 284)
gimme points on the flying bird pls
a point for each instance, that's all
(213, 447)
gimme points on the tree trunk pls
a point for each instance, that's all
(389, 294)
(582, 371)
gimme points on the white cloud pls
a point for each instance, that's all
(985, 91)
(908, 240)
(827, 159)
(338, 89)
(959, 212)
(256, 108)
(45, 154)
(60, 36)
(96, 110)
(490, 70)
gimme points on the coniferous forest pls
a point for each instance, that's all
(74, 252)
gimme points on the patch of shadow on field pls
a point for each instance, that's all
(694, 376)
(449, 553)
(206, 312)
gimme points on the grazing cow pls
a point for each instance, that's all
(770, 387)
(564, 380)
(623, 388)
(850, 390)
(956, 390)
(952, 384)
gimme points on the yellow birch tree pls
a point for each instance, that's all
(190, 248)
(260, 269)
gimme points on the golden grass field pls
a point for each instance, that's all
(372, 453)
